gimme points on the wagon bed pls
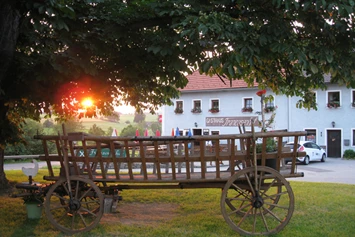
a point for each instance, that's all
(255, 200)
(165, 159)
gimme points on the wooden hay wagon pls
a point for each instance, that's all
(256, 199)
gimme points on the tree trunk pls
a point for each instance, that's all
(9, 30)
(4, 183)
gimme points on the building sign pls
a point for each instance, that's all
(230, 121)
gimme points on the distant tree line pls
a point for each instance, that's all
(49, 127)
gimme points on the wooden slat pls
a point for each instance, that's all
(218, 168)
(172, 157)
(128, 160)
(99, 155)
(279, 152)
(157, 162)
(114, 160)
(187, 160)
(202, 159)
(72, 153)
(233, 158)
(46, 154)
(263, 153)
(144, 162)
(87, 161)
(294, 156)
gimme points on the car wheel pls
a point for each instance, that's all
(306, 160)
(323, 158)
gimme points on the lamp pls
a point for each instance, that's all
(196, 124)
(333, 124)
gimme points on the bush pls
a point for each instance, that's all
(131, 131)
(270, 145)
(349, 154)
(96, 130)
(48, 124)
(30, 146)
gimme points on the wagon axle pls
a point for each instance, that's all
(74, 204)
(257, 201)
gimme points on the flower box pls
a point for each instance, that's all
(178, 110)
(214, 110)
(334, 104)
(247, 110)
(269, 109)
(196, 110)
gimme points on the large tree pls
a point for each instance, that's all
(54, 53)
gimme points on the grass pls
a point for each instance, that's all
(321, 209)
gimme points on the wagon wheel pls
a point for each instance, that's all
(80, 213)
(261, 210)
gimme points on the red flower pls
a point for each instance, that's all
(260, 93)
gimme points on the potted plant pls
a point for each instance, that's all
(196, 110)
(247, 110)
(214, 110)
(34, 204)
(333, 104)
(178, 110)
(269, 109)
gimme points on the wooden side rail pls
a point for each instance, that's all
(167, 159)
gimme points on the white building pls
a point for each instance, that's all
(331, 126)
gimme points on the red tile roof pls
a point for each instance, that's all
(199, 82)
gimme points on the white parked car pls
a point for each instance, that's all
(313, 151)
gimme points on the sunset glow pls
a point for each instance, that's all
(87, 102)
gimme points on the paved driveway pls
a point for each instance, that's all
(333, 170)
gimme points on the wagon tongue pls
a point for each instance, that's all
(257, 200)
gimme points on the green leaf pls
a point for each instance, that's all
(231, 71)
(329, 58)
(314, 68)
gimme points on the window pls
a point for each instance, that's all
(247, 105)
(353, 98)
(312, 135)
(333, 100)
(179, 109)
(353, 137)
(214, 132)
(270, 102)
(196, 106)
(214, 106)
(269, 105)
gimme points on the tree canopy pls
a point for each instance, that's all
(55, 53)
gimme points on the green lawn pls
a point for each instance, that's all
(321, 209)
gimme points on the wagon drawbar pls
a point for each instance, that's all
(256, 199)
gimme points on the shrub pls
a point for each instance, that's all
(48, 124)
(271, 145)
(96, 130)
(349, 154)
